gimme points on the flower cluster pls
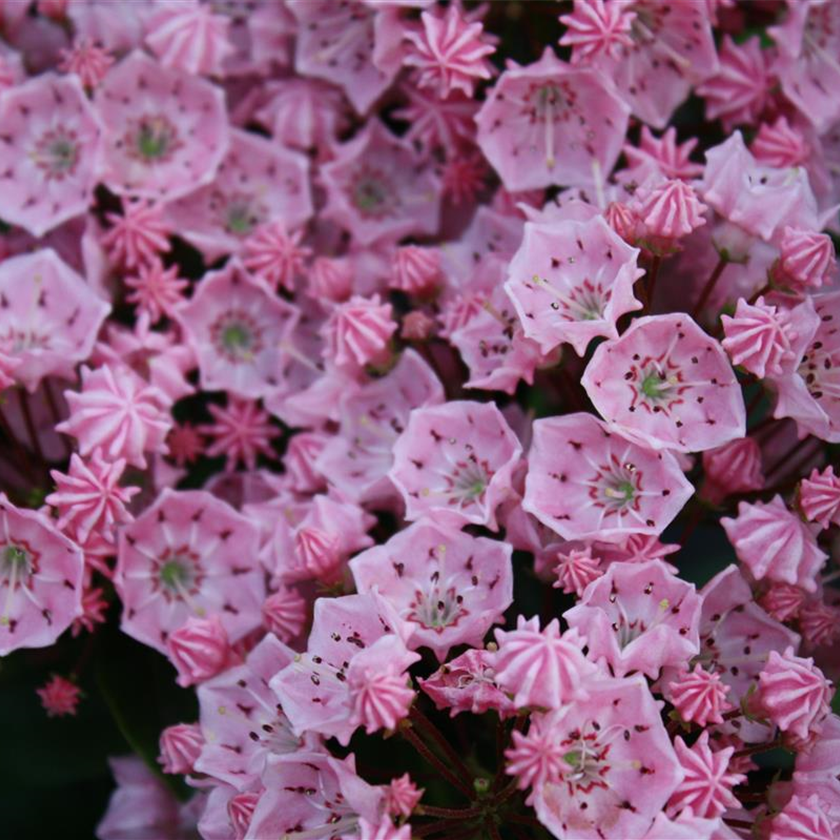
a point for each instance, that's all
(378, 368)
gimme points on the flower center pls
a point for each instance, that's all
(57, 153)
(587, 762)
(237, 337)
(470, 480)
(372, 193)
(177, 573)
(242, 215)
(437, 610)
(15, 563)
(153, 139)
(616, 486)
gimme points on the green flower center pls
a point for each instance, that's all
(177, 574)
(156, 137)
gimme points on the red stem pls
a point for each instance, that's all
(709, 286)
(432, 759)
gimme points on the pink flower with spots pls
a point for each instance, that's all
(803, 819)
(40, 579)
(48, 158)
(119, 413)
(315, 690)
(59, 697)
(379, 189)
(188, 555)
(189, 37)
(449, 53)
(49, 319)
(737, 92)
(707, 786)
(453, 586)
(586, 482)
(220, 217)
(455, 462)
(241, 725)
(668, 385)
(571, 281)
(275, 255)
(793, 693)
(619, 768)
(699, 696)
(89, 497)
(596, 28)
(358, 333)
(819, 497)
(139, 236)
(759, 337)
(774, 543)
(165, 131)
(88, 61)
(468, 684)
(639, 617)
(241, 432)
(239, 332)
(156, 290)
(536, 126)
(542, 668)
(817, 772)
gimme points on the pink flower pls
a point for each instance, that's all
(542, 667)
(699, 696)
(41, 572)
(165, 131)
(437, 124)
(358, 333)
(221, 216)
(378, 188)
(639, 617)
(779, 145)
(241, 431)
(139, 236)
(536, 126)
(284, 613)
(759, 337)
(535, 758)
(184, 444)
(455, 463)
(381, 695)
(119, 413)
(299, 461)
(453, 586)
(87, 61)
(774, 543)
(449, 53)
(59, 697)
(384, 829)
(241, 724)
(596, 29)
(275, 255)
(180, 747)
(49, 159)
(156, 290)
(239, 331)
(585, 482)
(803, 819)
(334, 43)
(402, 796)
(819, 623)
(761, 199)
(737, 92)
(199, 649)
(576, 569)
(793, 693)
(819, 497)
(783, 601)
(707, 786)
(468, 684)
(189, 37)
(330, 279)
(571, 281)
(50, 317)
(618, 727)
(670, 210)
(464, 178)
(661, 156)
(731, 469)
(816, 772)
(416, 271)
(807, 259)
(316, 691)
(89, 497)
(668, 385)
(188, 555)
